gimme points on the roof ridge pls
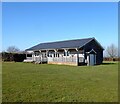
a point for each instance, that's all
(67, 40)
(62, 44)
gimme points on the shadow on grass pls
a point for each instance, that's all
(108, 63)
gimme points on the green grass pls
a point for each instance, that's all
(27, 82)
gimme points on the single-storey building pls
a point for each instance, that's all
(76, 52)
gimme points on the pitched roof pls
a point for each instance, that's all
(78, 43)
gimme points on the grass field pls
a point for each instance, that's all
(27, 82)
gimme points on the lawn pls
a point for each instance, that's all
(27, 82)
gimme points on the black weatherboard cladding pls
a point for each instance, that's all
(99, 51)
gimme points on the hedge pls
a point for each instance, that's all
(111, 59)
(13, 57)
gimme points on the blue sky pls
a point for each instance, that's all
(29, 23)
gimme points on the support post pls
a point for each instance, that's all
(47, 55)
(40, 56)
(65, 50)
(33, 56)
(55, 54)
(77, 56)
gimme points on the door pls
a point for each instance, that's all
(92, 59)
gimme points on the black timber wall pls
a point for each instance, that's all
(99, 51)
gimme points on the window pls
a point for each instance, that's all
(68, 53)
(58, 54)
(64, 53)
(29, 55)
(36, 53)
(54, 54)
(50, 55)
(45, 55)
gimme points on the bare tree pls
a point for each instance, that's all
(112, 51)
(12, 49)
